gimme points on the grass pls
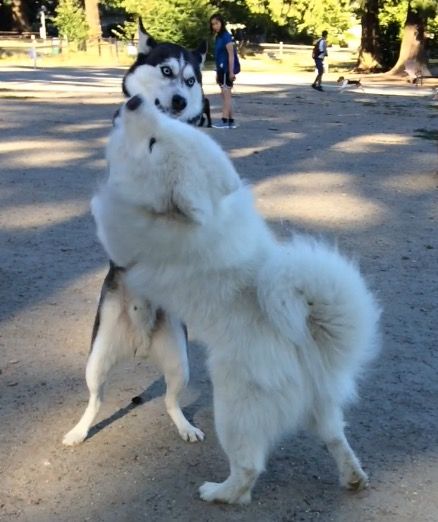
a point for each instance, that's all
(300, 60)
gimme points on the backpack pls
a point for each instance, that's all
(316, 51)
(236, 61)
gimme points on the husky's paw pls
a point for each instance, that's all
(74, 437)
(191, 434)
(355, 480)
(221, 492)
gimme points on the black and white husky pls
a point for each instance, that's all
(168, 76)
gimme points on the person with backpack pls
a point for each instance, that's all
(318, 54)
(227, 66)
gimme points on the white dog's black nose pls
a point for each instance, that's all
(178, 103)
(134, 102)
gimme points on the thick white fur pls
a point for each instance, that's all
(288, 326)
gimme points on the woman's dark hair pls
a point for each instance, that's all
(221, 19)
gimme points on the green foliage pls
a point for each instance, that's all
(314, 16)
(70, 20)
(180, 21)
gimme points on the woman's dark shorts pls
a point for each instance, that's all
(223, 79)
(319, 65)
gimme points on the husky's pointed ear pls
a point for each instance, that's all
(190, 205)
(145, 40)
(201, 52)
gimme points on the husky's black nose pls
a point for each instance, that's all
(134, 102)
(178, 103)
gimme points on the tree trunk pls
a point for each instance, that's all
(20, 21)
(370, 53)
(93, 19)
(412, 48)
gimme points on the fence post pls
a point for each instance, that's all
(98, 46)
(33, 51)
(281, 50)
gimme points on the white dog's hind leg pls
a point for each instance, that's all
(236, 489)
(245, 435)
(330, 427)
(169, 351)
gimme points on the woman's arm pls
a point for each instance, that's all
(230, 51)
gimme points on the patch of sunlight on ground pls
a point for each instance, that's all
(370, 143)
(317, 198)
(411, 183)
(43, 214)
(284, 138)
(34, 153)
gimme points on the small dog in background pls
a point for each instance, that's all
(206, 115)
(345, 83)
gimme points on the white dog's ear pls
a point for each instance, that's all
(145, 41)
(191, 204)
(201, 53)
(139, 115)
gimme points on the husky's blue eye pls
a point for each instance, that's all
(167, 71)
(152, 142)
(190, 81)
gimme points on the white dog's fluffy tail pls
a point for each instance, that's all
(318, 300)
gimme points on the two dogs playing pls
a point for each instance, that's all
(288, 327)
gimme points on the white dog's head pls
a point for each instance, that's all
(165, 166)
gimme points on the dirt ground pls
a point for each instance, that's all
(359, 168)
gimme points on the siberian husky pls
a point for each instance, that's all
(288, 326)
(168, 76)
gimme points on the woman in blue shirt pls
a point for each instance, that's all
(225, 76)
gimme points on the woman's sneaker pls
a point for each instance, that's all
(221, 125)
(226, 124)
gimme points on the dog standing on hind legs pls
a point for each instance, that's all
(289, 326)
(168, 76)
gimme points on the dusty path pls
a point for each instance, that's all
(355, 167)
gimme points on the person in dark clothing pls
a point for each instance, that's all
(225, 58)
(319, 53)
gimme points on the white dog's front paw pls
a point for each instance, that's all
(191, 434)
(74, 437)
(221, 492)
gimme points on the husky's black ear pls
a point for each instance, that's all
(201, 52)
(145, 40)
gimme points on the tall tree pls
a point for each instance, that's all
(413, 45)
(370, 51)
(93, 18)
(179, 21)
(20, 18)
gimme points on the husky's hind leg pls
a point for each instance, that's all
(110, 344)
(329, 425)
(169, 352)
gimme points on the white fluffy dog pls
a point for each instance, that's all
(288, 326)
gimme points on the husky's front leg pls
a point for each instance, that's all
(105, 353)
(246, 443)
(122, 326)
(169, 351)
